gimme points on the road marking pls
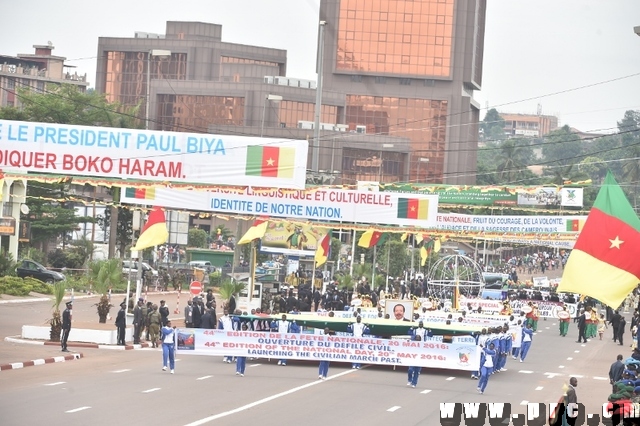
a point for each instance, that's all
(55, 384)
(255, 365)
(600, 378)
(450, 378)
(553, 323)
(583, 345)
(204, 377)
(546, 328)
(268, 399)
(540, 388)
(525, 371)
(524, 402)
(577, 352)
(569, 359)
(426, 391)
(577, 376)
(122, 371)
(561, 366)
(394, 408)
(151, 390)
(75, 410)
(552, 375)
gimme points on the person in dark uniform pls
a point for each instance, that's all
(137, 321)
(66, 326)
(164, 313)
(121, 323)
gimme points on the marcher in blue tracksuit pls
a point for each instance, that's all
(527, 337)
(414, 372)
(358, 329)
(241, 361)
(323, 368)
(481, 339)
(282, 326)
(486, 367)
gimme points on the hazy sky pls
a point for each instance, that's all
(533, 48)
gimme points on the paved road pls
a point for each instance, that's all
(107, 385)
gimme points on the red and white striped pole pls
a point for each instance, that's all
(177, 311)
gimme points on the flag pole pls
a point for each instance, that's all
(373, 268)
(353, 251)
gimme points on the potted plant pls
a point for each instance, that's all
(56, 319)
(104, 274)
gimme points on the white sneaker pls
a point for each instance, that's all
(237, 373)
(324, 377)
(413, 386)
(408, 383)
(320, 376)
(172, 371)
(279, 362)
(520, 359)
(503, 369)
(241, 375)
(164, 368)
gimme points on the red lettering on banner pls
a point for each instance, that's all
(169, 169)
(81, 163)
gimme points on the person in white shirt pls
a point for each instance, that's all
(283, 326)
(167, 335)
(358, 329)
(516, 337)
(226, 323)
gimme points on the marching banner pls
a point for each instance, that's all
(315, 347)
(318, 204)
(547, 309)
(152, 155)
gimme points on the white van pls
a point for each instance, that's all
(203, 264)
(131, 267)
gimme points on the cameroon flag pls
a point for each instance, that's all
(140, 193)
(370, 238)
(323, 252)
(257, 230)
(413, 208)
(270, 161)
(604, 261)
(574, 225)
(154, 231)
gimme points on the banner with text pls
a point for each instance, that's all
(510, 224)
(316, 347)
(547, 309)
(317, 204)
(152, 155)
(490, 196)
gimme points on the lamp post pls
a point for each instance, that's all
(637, 30)
(152, 53)
(264, 108)
(315, 153)
(385, 146)
(421, 160)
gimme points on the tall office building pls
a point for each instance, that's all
(409, 69)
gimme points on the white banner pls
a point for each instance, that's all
(319, 204)
(152, 155)
(510, 224)
(547, 309)
(316, 347)
(552, 196)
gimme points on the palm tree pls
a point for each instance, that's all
(104, 274)
(631, 169)
(56, 319)
(510, 160)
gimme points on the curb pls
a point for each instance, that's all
(17, 365)
(84, 296)
(78, 345)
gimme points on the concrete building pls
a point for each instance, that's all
(528, 125)
(35, 71)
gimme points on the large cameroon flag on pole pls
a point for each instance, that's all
(604, 263)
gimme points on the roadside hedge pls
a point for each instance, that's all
(15, 286)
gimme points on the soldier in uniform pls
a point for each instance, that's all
(121, 324)
(66, 326)
(137, 321)
(154, 325)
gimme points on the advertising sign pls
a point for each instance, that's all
(552, 197)
(291, 239)
(152, 155)
(317, 347)
(317, 204)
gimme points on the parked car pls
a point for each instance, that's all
(203, 264)
(129, 267)
(29, 268)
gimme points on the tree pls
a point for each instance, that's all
(104, 274)
(336, 246)
(123, 234)
(197, 238)
(511, 160)
(394, 254)
(492, 126)
(561, 147)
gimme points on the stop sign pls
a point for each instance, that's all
(195, 288)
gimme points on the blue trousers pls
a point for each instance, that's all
(241, 363)
(323, 369)
(168, 353)
(283, 361)
(414, 373)
(484, 377)
(515, 352)
(524, 350)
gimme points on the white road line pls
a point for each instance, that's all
(525, 371)
(122, 371)
(577, 352)
(426, 391)
(561, 366)
(552, 375)
(204, 377)
(546, 328)
(583, 345)
(524, 402)
(569, 359)
(55, 384)
(267, 399)
(450, 378)
(577, 376)
(151, 390)
(75, 410)
(254, 365)
(394, 408)
(540, 388)
(600, 378)
(553, 323)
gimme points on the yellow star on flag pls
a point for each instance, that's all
(270, 162)
(413, 209)
(616, 243)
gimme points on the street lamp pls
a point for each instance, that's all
(264, 107)
(637, 30)
(315, 153)
(158, 53)
(385, 146)
(421, 160)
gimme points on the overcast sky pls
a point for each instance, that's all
(533, 48)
